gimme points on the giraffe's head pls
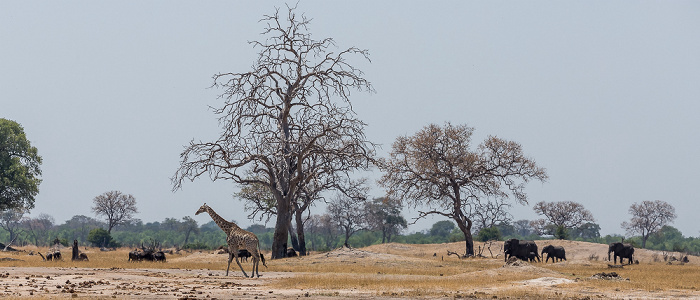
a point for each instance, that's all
(202, 209)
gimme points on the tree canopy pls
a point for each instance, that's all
(19, 168)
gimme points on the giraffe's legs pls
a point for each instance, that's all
(239, 264)
(256, 263)
(230, 257)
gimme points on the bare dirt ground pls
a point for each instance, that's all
(386, 271)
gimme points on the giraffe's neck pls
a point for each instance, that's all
(226, 226)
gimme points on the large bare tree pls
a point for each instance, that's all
(648, 217)
(437, 168)
(117, 208)
(293, 106)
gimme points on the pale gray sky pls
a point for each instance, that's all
(604, 94)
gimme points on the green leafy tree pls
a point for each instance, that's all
(588, 231)
(384, 215)
(442, 228)
(99, 237)
(488, 234)
(561, 233)
(19, 168)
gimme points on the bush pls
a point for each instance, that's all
(487, 234)
(99, 237)
(561, 233)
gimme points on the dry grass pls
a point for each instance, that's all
(397, 270)
(420, 273)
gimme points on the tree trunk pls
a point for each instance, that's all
(293, 236)
(76, 252)
(300, 233)
(279, 238)
(466, 228)
(187, 237)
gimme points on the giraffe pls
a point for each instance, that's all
(236, 238)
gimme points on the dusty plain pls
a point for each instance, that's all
(386, 271)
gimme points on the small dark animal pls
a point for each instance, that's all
(83, 256)
(57, 255)
(244, 254)
(291, 252)
(49, 256)
(532, 256)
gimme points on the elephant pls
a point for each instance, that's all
(621, 250)
(520, 249)
(554, 252)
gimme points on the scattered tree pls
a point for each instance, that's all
(38, 228)
(586, 231)
(489, 234)
(118, 208)
(384, 215)
(522, 228)
(11, 220)
(563, 215)
(487, 213)
(19, 168)
(437, 169)
(188, 226)
(442, 228)
(648, 217)
(99, 237)
(171, 224)
(280, 116)
(348, 214)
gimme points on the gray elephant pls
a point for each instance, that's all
(621, 250)
(520, 249)
(554, 252)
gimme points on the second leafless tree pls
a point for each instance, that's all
(116, 207)
(436, 168)
(648, 217)
(563, 214)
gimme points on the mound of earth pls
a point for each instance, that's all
(346, 254)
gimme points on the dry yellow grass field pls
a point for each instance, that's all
(379, 271)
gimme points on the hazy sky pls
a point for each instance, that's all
(604, 94)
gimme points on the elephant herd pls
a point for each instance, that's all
(527, 250)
